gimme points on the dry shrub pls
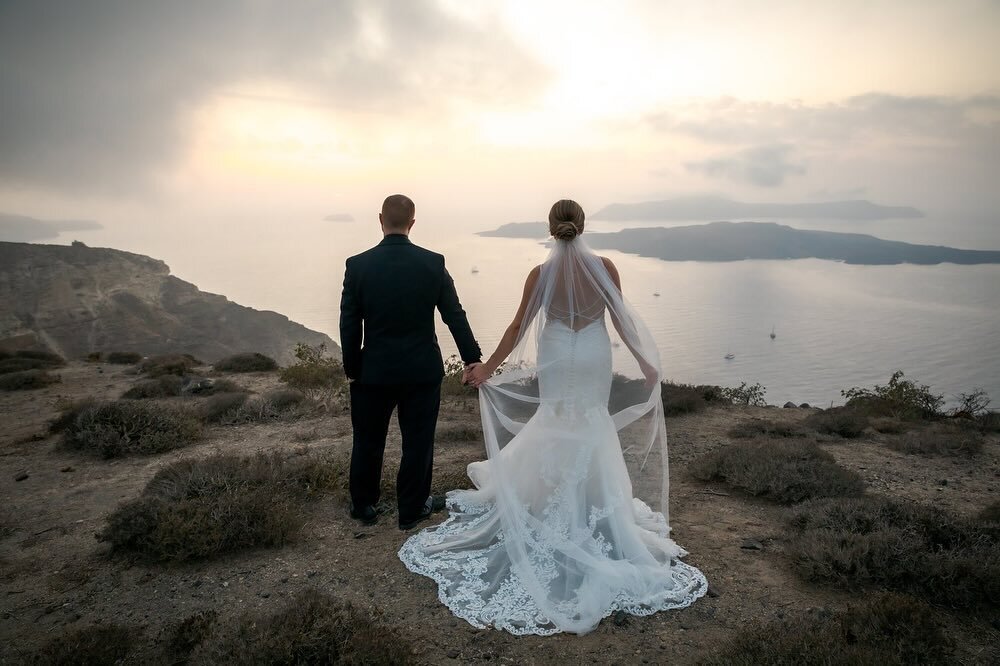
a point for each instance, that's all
(26, 380)
(195, 509)
(991, 514)
(30, 360)
(43, 355)
(121, 427)
(846, 422)
(183, 637)
(459, 433)
(234, 408)
(311, 628)
(939, 440)
(165, 386)
(96, 644)
(888, 629)
(246, 362)
(764, 428)
(888, 426)
(781, 471)
(877, 541)
(679, 399)
(123, 358)
(169, 364)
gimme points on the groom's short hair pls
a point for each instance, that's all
(397, 212)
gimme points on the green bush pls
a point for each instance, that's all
(123, 358)
(26, 380)
(96, 644)
(311, 628)
(939, 440)
(749, 395)
(164, 386)
(125, 427)
(782, 471)
(195, 509)
(869, 541)
(452, 384)
(169, 364)
(764, 428)
(846, 422)
(888, 629)
(247, 362)
(900, 398)
(313, 369)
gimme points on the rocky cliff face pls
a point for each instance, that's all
(77, 299)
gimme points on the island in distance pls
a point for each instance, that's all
(735, 241)
(711, 208)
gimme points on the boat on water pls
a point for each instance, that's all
(475, 269)
(773, 336)
(730, 356)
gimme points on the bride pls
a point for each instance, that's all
(552, 538)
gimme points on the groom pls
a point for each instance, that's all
(392, 359)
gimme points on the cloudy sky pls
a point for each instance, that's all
(488, 110)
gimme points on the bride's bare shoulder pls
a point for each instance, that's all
(612, 270)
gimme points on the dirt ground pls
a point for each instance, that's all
(54, 574)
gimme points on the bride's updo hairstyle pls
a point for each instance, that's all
(566, 219)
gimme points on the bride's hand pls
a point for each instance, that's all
(650, 373)
(479, 374)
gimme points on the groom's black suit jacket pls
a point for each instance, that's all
(387, 315)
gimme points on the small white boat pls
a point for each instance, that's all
(730, 356)
(656, 293)
(475, 269)
(773, 336)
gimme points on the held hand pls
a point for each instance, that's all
(650, 373)
(467, 373)
(478, 374)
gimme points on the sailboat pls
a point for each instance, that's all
(730, 356)
(773, 336)
(475, 269)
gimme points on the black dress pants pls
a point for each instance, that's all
(417, 411)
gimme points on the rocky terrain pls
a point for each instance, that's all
(76, 300)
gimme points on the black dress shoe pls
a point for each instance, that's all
(366, 515)
(433, 504)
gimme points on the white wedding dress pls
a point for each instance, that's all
(552, 538)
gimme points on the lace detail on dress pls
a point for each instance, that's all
(479, 585)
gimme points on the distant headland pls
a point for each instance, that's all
(735, 241)
(713, 208)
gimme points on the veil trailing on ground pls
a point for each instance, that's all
(556, 534)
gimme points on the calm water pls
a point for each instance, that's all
(837, 325)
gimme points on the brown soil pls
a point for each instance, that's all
(56, 575)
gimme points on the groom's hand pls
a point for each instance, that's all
(467, 373)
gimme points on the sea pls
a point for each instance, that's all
(835, 325)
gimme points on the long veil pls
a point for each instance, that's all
(558, 532)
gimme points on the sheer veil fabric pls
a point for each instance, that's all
(555, 537)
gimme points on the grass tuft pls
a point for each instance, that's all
(123, 358)
(96, 644)
(877, 541)
(122, 427)
(888, 629)
(311, 628)
(194, 509)
(782, 471)
(169, 364)
(939, 440)
(846, 422)
(246, 362)
(26, 380)
(764, 428)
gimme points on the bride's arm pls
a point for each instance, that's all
(648, 371)
(506, 345)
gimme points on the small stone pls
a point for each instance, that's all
(943, 482)
(789, 405)
(225, 583)
(752, 544)
(285, 579)
(620, 618)
(713, 592)
(361, 535)
(805, 405)
(453, 654)
(68, 468)
(310, 574)
(265, 595)
(21, 476)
